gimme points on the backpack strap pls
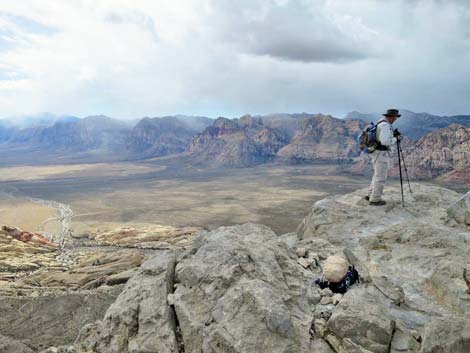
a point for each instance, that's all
(381, 147)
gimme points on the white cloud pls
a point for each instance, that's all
(135, 58)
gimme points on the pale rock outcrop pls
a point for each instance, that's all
(140, 320)
(460, 210)
(411, 255)
(10, 345)
(362, 319)
(242, 291)
(154, 237)
(22, 252)
(92, 270)
(447, 336)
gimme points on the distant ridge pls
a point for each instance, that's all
(415, 125)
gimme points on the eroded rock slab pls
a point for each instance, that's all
(362, 318)
(155, 237)
(410, 254)
(242, 290)
(52, 320)
(140, 320)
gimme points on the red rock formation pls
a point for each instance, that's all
(26, 237)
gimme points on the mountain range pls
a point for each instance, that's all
(435, 145)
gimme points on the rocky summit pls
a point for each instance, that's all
(245, 289)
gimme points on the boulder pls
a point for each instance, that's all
(363, 319)
(9, 345)
(446, 335)
(460, 210)
(140, 320)
(52, 320)
(241, 290)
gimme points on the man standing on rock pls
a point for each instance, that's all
(387, 139)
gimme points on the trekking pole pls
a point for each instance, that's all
(406, 169)
(401, 176)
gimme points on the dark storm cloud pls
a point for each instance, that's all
(297, 31)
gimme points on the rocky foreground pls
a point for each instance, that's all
(245, 289)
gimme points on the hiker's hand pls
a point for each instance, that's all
(396, 134)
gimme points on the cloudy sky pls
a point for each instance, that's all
(134, 58)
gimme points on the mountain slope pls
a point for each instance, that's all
(323, 137)
(444, 153)
(238, 142)
(159, 137)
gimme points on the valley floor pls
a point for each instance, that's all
(166, 191)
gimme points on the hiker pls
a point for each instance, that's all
(386, 139)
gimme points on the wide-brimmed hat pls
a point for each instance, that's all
(392, 112)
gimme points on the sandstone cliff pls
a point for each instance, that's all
(444, 153)
(238, 142)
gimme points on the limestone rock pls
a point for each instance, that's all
(52, 320)
(9, 345)
(140, 320)
(241, 290)
(460, 210)
(410, 254)
(326, 292)
(155, 237)
(362, 319)
(336, 298)
(93, 270)
(22, 252)
(320, 326)
(320, 346)
(447, 335)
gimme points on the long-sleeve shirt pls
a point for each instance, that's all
(385, 134)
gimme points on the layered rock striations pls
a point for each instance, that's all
(444, 153)
(323, 138)
(237, 142)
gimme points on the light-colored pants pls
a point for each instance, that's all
(381, 162)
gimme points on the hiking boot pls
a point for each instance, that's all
(377, 203)
(366, 198)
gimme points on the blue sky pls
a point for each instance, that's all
(129, 59)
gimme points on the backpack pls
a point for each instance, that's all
(367, 140)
